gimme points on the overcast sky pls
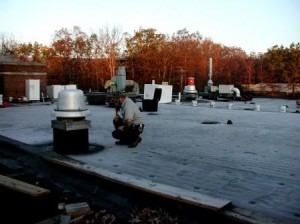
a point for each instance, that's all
(253, 25)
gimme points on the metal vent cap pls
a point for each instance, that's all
(71, 103)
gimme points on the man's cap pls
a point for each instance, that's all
(118, 94)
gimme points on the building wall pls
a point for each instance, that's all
(14, 85)
(14, 74)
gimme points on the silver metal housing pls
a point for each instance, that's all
(71, 104)
(190, 89)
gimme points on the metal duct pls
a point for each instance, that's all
(237, 92)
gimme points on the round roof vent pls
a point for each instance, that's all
(71, 103)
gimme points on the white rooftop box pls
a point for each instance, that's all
(166, 93)
(226, 88)
(32, 89)
(53, 90)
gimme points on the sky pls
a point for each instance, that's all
(252, 25)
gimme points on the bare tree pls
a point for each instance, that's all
(8, 44)
(107, 45)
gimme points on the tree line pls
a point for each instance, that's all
(89, 60)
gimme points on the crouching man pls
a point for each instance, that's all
(128, 122)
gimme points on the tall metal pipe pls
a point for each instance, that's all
(210, 82)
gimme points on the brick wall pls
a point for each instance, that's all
(14, 85)
(13, 76)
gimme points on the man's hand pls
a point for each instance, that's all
(128, 123)
(121, 128)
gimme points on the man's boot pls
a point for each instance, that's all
(135, 142)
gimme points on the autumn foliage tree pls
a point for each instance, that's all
(89, 60)
(283, 64)
(147, 54)
(86, 60)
